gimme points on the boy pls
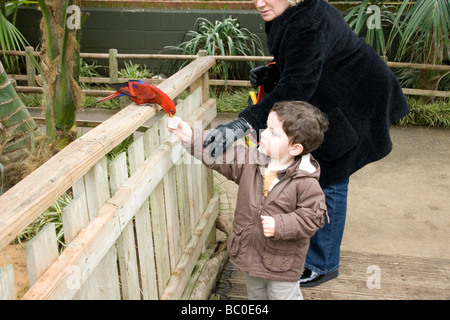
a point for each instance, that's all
(280, 204)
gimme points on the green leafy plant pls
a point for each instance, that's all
(235, 100)
(89, 69)
(425, 28)
(135, 71)
(436, 114)
(225, 38)
(10, 36)
(372, 17)
(422, 27)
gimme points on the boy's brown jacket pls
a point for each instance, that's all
(296, 202)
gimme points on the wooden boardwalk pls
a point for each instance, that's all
(365, 277)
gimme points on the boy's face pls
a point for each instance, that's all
(275, 143)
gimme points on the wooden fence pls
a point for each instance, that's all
(113, 56)
(131, 232)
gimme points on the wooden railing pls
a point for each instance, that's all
(155, 221)
(113, 56)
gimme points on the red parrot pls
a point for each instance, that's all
(142, 92)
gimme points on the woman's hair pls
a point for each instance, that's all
(294, 2)
(303, 123)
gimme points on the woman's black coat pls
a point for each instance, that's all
(322, 61)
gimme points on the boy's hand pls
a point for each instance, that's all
(183, 131)
(268, 224)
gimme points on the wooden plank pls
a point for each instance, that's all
(171, 204)
(75, 217)
(193, 173)
(96, 186)
(183, 202)
(180, 277)
(400, 277)
(201, 84)
(103, 283)
(7, 287)
(41, 252)
(173, 224)
(92, 243)
(144, 240)
(197, 97)
(429, 93)
(212, 82)
(182, 188)
(158, 221)
(126, 244)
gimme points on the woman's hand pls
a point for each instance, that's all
(224, 135)
(266, 76)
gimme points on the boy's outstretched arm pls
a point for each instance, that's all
(229, 164)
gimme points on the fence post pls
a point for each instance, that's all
(202, 81)
(31, 69)
(113, 66)
(114, 74)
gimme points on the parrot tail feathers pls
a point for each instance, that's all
(112, 96)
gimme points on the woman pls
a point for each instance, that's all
(319, 59)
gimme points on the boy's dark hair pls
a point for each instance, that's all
(303, 123)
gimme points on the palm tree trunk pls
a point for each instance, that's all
(62, 93)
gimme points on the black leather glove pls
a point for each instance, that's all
(224, 135)
(267, 76)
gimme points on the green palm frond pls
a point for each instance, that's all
(226, 38)
(426, 28)
(10, 36)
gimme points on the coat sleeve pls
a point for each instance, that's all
(301, 58)
(230, 164)
(307, 218)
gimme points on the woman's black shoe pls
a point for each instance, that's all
(311, 279)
